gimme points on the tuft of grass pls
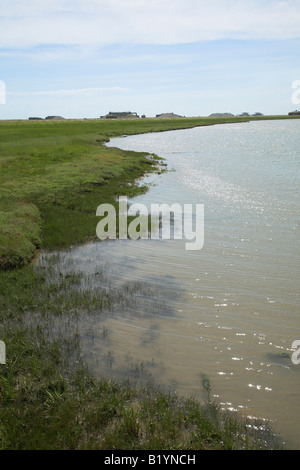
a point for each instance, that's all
(20, 234)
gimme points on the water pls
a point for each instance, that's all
(231, 310)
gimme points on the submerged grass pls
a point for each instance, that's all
(53, 175)
(50, 400)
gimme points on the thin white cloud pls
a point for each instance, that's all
(78, 91)
(102, 22)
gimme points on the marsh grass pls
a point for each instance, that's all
(53, 176)
(49, 399)
(52, 180)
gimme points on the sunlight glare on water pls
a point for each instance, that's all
(231, 310)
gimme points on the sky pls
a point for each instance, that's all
(85, 58)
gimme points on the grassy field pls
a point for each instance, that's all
(53, 176)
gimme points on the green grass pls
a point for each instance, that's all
(53, 176)
(59, 174)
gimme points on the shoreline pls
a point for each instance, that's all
(45, 383)
(252, 140)
(33, 198)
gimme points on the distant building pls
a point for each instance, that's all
(120, 115)
(54, 118)
(35, 118)
(244, 114)
(294, 113)
(221, 115)
(167, 116)
(257, 114)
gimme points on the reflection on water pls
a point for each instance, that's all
(228, 311)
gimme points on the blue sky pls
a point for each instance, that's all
(84, 58)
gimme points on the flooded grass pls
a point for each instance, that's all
(51, 400)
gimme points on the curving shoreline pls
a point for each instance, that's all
(45, 385)
(48, 189)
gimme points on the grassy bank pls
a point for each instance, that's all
(53, 176)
